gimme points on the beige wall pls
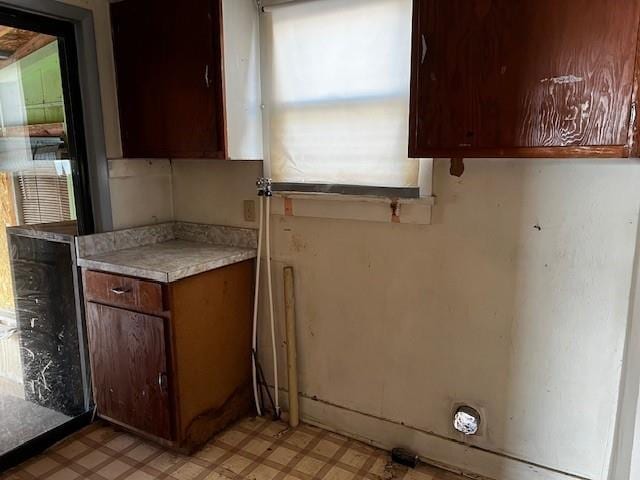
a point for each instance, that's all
(141, 192)
(626, 455)
(403, 322)
(211, 191)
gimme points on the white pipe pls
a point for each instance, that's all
(273, 327)
(254, 340)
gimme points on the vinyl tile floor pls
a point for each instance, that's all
(253, 449)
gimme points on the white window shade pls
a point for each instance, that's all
(337, 92)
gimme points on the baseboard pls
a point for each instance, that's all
(449, 454)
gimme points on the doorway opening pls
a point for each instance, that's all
(44, 204)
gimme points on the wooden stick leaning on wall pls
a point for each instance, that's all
(292, 367)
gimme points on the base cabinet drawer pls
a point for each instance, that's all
(127, 292)
(129, 368)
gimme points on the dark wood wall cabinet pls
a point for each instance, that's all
(168, 66)
(179, 96)
(530, 78)
(171, 361)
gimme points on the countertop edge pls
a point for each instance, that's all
(166, 277)
(211, 265)
(144, 274)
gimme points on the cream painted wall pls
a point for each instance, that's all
(213, 191)
(626, 456)
(403, 322)
(141, 192)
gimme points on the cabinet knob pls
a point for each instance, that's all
(206, 76)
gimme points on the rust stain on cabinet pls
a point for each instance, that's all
(211, 331)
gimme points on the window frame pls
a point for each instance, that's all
(425, 170)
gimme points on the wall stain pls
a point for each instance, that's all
(298, 243)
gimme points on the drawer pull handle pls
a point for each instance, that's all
(120, 290)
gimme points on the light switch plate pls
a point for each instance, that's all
(249, 210)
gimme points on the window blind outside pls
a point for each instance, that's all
(44, 195)
(337, 92)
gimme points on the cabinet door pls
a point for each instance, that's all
(194, 97)
(505, 77)
(139, 49)
(129, 368)
(168, 59)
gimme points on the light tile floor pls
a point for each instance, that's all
(253, 449)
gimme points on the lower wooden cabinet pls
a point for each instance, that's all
(178, 376)
(130, 377)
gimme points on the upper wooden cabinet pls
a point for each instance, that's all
(530, 78)
(181, 94)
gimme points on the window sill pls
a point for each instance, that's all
(412, 211)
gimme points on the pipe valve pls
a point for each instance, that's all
(264, 187)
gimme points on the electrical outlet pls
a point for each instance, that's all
(249, 210)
